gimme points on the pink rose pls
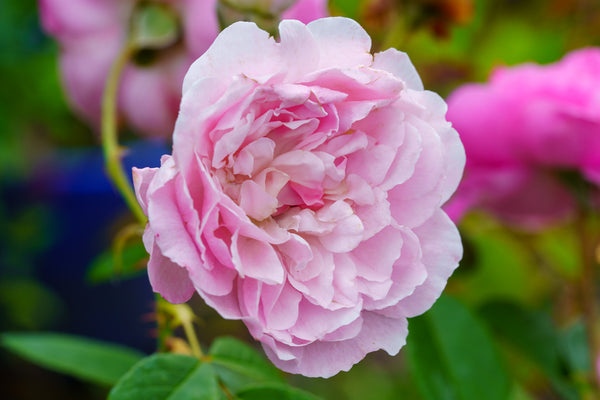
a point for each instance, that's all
(523, 130)
(90, 34)
(303, 194)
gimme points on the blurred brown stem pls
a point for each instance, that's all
(588, 294)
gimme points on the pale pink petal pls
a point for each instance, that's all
(280, 306)
(240, 49)
(297, 43)
(399, 64)
(442, 250)
(256, 202)
(325, 359)
(166, 277)
(256, 259)
(141, 181)
(342, 42)
(375, 258)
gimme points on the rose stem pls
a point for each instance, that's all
(110, 145)
(188, 328)
(183, 314)
(588, 292)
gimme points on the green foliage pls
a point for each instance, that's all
(232, 368)
(154, 27)
(574, 348)
(239, 365)
(27, 304)
(274, 392)
(498, 264)
(111, 265)
(532, 334)
(348, 8)
(168, 376)
(452, 357)
(91, 360)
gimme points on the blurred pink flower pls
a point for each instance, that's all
(304, 197)
(524, 129)
(90, 34)
(306, 10)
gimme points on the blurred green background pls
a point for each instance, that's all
(58, 213)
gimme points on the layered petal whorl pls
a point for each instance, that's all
(303, 194)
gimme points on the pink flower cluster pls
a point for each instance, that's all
(526, 131)
(303, 194)
(91, 33)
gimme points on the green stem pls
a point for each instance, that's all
(182, 314)
(162, 324)
(188, 328)
(110, 145)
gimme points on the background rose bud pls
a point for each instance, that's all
(91, 33)
(527, 133)
(261, 6)
(304, 197)
(267, 13)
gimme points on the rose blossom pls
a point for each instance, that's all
(303, 194)
(91, 33)
(526, 131)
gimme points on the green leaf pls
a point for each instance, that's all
(27, 304)
(104, 269)
(502, 265)
(168, 376)
(531, 332)
(452, 357)
(91, 360)
(574, 348)
(239, 365)
(534, 335)
(154, 27)
(275, 392)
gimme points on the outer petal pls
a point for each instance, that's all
(442, 250)
(400, 66)
(167, 220)
(342, 42)
(166, 277)
(240, 49)
(141, 181)
(325, 359)
(297, 43)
